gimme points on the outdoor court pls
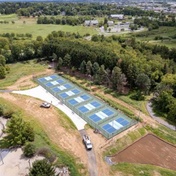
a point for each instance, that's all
(96, 113)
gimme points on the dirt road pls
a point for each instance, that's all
(92, 163)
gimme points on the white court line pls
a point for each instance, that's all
(70, 93)
(99, 115)
(116, 125)
(61, 87)
(54, 83)
(89, 106)
(48, 78)
(103, 114)
(79, 99)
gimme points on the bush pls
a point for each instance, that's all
(29, 150)
(42, 168)
(137, 96)
(47, 154)
(5, 111)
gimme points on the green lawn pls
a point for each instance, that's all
(141, 169)
(9, 18)
(29, 25)
(17, 70)
(165, 32)
(140, 105)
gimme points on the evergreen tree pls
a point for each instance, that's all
(89, 68)
(17, 132)
(83, 66)
(42, 168)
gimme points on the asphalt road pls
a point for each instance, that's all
(91, 159)
(158, 119)
(5, 90)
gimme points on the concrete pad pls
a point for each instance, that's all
(15, 164)
(43, 94)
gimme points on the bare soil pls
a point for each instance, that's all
(149, 150)
(27, 82)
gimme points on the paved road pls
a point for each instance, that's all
(158, 119)
(91, 159)
(5, 90)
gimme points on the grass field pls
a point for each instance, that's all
(29, 25)
(17, 70)
(141, 169)
(8, 18)
(165, 32)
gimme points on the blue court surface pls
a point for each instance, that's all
(69, 93)
(89, 106)
(102, 114)
(97, 113)
(63, 87)
(79, 99)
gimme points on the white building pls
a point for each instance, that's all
(91, 23)
(117, 16)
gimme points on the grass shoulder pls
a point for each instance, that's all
(141, 169)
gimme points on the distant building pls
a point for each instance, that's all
(117, 16)
(91, 23)
(110, 23)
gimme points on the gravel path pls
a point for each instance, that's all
(158, 119)
(92, 163)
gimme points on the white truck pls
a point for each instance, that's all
(87, 142)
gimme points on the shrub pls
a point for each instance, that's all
(42, 168)
(46, 152)
(137, 96)
(29, 150)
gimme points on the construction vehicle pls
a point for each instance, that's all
(87, 142)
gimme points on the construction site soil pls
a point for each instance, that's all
(148, 150)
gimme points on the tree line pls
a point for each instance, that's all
(69, 9)
(115, 62)
(154, 23)
(63, 20)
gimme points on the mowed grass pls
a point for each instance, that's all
(9, 18)
(29, 25)
(141, 169)
(18, 70)
(165, 32)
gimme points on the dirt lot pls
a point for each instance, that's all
(149, 150)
